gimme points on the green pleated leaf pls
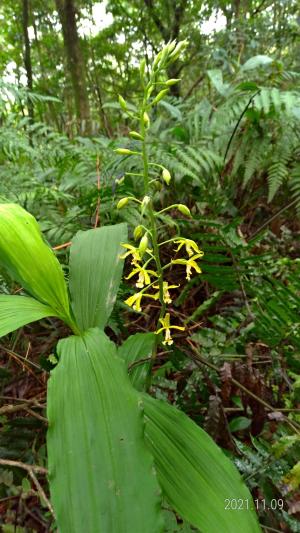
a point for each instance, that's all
(134, 350)
(16, 311)
(95, 274)
(102, 478)
(29, 260)
(198, 480)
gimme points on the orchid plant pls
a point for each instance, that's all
(146, 256)
(115, 454)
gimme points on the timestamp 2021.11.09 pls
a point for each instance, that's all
(240, 504)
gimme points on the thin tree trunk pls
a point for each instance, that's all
(27, 56)
(75, 61)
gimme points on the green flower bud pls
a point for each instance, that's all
(160, 96)
(122, 103)
(171, 46)
(184, 210)
(157, 60)
(124, 151)
(166, 176)
(150, 91)
(135, 135)
(142, 68)
(164, 54)
(172, 81)
(143, 245)
(178, 49)
(138, 232)
(146, 119)
(119, 181)
(121, 203)
(29, 260)
(146, 201)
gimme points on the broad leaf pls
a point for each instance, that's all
(256, 62)
(29, 260)
(216, 78)
(198, 480)
(134, 350)
(16, 311)
(95, 274)
(102, 477)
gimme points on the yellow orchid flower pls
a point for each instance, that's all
(189, 264)
(132, 250)
(166, 293)
(190, 246)
(134, 301)
(144, 276)
(166, 327)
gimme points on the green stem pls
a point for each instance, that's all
(153, 228)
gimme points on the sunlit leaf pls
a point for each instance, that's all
(29, 260)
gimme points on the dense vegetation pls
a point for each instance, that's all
(228, 135)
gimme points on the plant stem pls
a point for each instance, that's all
(153, 228)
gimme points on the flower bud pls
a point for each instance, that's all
(120, 180)
(121, 203)
(124, 151)
(159, 96)
(138, 232)
(184, 210)
(142, 68)
(150, 91)
(143, 245)
(146, 120)
(166, 176)
(164, 54)
(122, 103)
(178, 49)
(135, 135)
(172, 81)
(171, 46)
(145, 203)
(157, 60)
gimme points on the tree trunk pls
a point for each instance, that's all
(66, 11)
(27, 56)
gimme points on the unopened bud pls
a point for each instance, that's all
(138, 232)
(143, 245)
(166, 176)
(142, 68)
(135, 135)
(178, 49)
(122, 103)
(121, 203)
(145, 203)
(172, 81)
(157, 59)
(146, 119)
(124, 151)
(120, 180)
(184, 210)
(160, 96)
(150, 91)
